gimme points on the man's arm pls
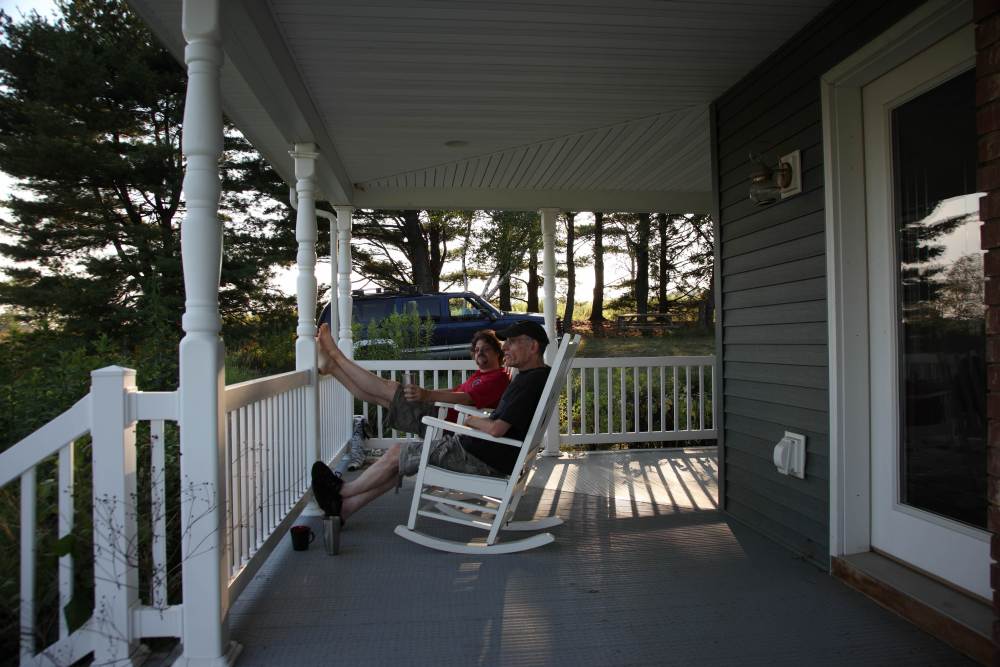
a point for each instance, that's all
(412, 392)
(495, 427)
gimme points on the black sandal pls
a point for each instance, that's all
(326, 489)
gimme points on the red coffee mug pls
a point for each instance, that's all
(302, 537)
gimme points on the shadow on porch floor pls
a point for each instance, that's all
(645, 571)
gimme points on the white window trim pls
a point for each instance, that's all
(846, 259)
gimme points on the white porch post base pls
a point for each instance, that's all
(549, 272)
(228, 659)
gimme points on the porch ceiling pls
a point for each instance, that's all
(586, 105)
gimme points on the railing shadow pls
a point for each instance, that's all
(636, 483)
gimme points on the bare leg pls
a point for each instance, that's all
(361, 383)
(371, 484)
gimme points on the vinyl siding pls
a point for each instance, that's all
(773, 280)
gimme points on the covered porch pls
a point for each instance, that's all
(649, 567)
(646, 570)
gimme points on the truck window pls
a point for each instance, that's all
(463, 308)
(427, 307)
(368, 310)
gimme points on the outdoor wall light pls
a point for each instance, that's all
(769, 184)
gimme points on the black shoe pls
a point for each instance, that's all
(326, 489)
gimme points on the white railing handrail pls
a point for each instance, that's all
(46, 441)
(418, 364)
(628, 362)
(244, 393)
(692, 389)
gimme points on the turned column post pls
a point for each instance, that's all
(549, 289)
(305, 343)
(202, 356)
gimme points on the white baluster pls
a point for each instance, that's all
(28, 531)
(158, 493)
(66, 483)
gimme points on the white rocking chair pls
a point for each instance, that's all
(486, 503)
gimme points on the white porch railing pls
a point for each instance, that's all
(606, 400)
(266, 471)
(266, 478)
(122, 614)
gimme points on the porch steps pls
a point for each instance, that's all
(953, 617)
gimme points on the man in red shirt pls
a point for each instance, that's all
(408, 404)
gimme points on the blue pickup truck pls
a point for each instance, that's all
(456, 316)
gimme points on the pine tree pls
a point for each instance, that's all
(90, 126)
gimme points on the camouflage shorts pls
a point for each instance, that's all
(447, 453)
(404, 415)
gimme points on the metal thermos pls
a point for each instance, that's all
(331, 535)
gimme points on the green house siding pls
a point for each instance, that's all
(773, 280)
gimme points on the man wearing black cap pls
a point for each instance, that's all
(523, 346)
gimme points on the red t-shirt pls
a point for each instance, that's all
(484, 387)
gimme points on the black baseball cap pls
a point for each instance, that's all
(528, 328)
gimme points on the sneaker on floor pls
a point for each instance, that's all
(356, 455)
(326, 489)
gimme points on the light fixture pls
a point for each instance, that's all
(769, 184)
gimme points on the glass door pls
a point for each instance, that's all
(926, 316)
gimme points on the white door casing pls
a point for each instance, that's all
(945, 548)
(847, 261)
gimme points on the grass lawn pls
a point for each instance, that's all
(654, 343)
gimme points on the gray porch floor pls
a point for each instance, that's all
(645, 571)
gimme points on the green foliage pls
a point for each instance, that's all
(398, 336)
(602, 405)
(423, 239)
(90, 125)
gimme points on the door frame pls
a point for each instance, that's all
(847, 259)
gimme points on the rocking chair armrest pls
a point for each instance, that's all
(462, 429)
(470, 410)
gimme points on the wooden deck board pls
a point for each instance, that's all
(645, 571)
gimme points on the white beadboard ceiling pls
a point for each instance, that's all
(576, 104)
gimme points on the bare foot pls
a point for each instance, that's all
(325, 342)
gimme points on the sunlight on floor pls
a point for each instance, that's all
(669, 480)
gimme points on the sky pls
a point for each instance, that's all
(18, 8)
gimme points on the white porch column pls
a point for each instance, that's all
(549, 273)
(344, 300)
(344, 424)
(202, 357)
(306, 235)
(334, 298)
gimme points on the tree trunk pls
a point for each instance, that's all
(438, 250)
(642, 265)
(597, 312)
(417, 251)
(570, 272)
(664, 277)
(533, 281)
(505, 294)
(708, 307)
